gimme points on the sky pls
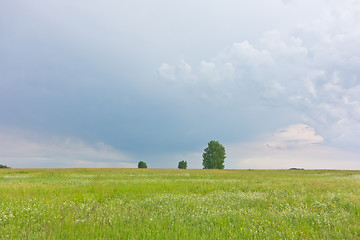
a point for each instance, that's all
(110, 83)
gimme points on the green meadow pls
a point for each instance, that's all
(179, 204)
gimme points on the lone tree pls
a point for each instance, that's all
(182, 165)
(214, 156)
(142, 164)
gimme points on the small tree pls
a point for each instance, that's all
(142, 164)
(182, 165)
(3, 166)
(214, 156)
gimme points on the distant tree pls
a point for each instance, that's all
(142, 164)
(182, 165)
(3, 166)
(214, 156)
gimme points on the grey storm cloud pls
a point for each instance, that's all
(157, 80)
(319, 79)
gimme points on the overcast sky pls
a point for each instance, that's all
(109, 83)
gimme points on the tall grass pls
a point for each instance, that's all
(178, 204)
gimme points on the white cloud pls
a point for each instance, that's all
(217, 73)
(184, 66)
(21, 150)
(283, 48)
(207, 68)
(166, 71)
(250, 56)
(294, 136)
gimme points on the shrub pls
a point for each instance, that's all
(182, 165)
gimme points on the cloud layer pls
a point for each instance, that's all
(295, 146)
(312, 70)
(151, 80)
(25, 150)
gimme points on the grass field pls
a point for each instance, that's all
(179, 204)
